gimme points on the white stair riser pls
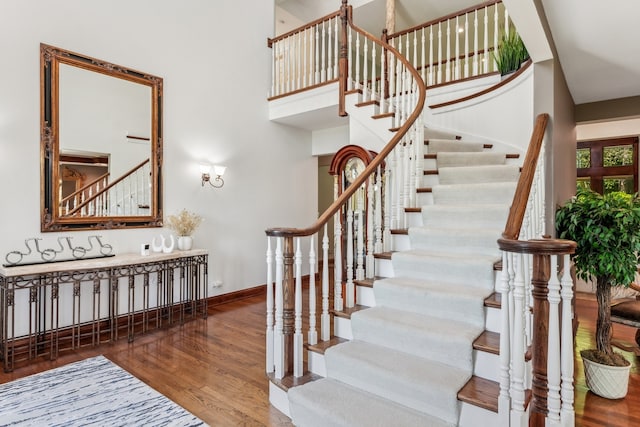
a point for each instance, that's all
(430, 180)
(492, 319)
(475, 416)
(414, 219)
(486, 365)
(401, 242)
(316, 363)
(384, 268)
(365, 296)
(425, 199)
(342, 328)
(279, 399)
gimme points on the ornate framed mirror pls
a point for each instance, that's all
(101, 144)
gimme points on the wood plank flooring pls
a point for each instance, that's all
(215, 368)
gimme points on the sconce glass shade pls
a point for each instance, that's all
(205, 168)
(218, 171)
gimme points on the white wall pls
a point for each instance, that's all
(215, 109)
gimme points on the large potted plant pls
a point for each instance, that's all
(607, 231)
(511, 52)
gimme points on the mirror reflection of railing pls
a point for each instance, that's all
(128, 195)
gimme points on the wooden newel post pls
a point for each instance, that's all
(343, 61)
(288, 309)
(540, 339)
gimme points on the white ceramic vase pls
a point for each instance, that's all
(607, 381)
(185, 243)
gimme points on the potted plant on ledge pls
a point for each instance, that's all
(607, 231)
(184, 224)
(511, 52)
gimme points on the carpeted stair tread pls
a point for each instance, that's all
(409, 380)
(348, 311)
(474, 194)
(491, 215)
(461, 240)
(478, 174)
(331, 403)
(322, 346)
(475, 270)
(452, 300)
(453, 159)
(447, 145)
(438, 339)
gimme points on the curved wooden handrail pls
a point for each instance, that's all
(378, 160)
(478, 94)
(444, 18)
(80, 190)
(105, 189)
(538, 246)
(523, 188)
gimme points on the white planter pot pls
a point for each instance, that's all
(607, 381)
(185, 243)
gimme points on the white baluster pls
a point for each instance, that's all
(495, 32)
(466, 45)
(305, 63)
(338, 302)
(298, 341)
(378, 246)
(374, 90)
(366, 95)
(357, 60)
(323, 55)
(487, 57)
(567, 414)
(330, 51)
(336, 49)
(269, 333)
(360, 234)
(349, 302)
(383, 84)
(553, 353)
(448, 63)
(313, 333)
(431, 76)
(476, 54)
(298, 63)
(439, 75)
(388, 206)
(317, 55)
(351, 60)
(518, 363)
(456, 60)
(278, 338)
(423, 58)
(371, 220)
(325, 325)
(273, 70)
(504, 400)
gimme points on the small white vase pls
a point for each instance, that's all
(607, 381)
(185, 243)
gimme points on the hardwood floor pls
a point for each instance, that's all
(215, 368)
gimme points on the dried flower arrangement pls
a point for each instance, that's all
(184, 223)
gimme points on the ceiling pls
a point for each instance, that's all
(596, 44)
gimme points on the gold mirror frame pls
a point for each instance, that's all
(51, 220)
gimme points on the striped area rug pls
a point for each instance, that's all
(92, 392)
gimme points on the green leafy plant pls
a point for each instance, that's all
(607, 231)
(511, 52)
(184, 223)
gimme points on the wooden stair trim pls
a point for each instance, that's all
(434, 156)
(424, 190)
(382, 116)
(512, 156)
(394, 129)
(353, 91)
(497, 266)
(367, 103)
(367, 283)
(348, 311)
(430, 172)
(383, 255)
(481, 392)
(413, 210)
(400, 231)
(322, 346)
(488, 342)
(493, 301)
(458, 138)
(290, 381)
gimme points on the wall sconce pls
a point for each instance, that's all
(218, 171)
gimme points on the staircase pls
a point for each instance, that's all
(413, 351)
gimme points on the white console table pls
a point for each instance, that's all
(46, 308)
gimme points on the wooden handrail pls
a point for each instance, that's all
(75, 193)
(443, 19)
(107, 188)
(523, 188)
(378, 160)
(271, 41)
